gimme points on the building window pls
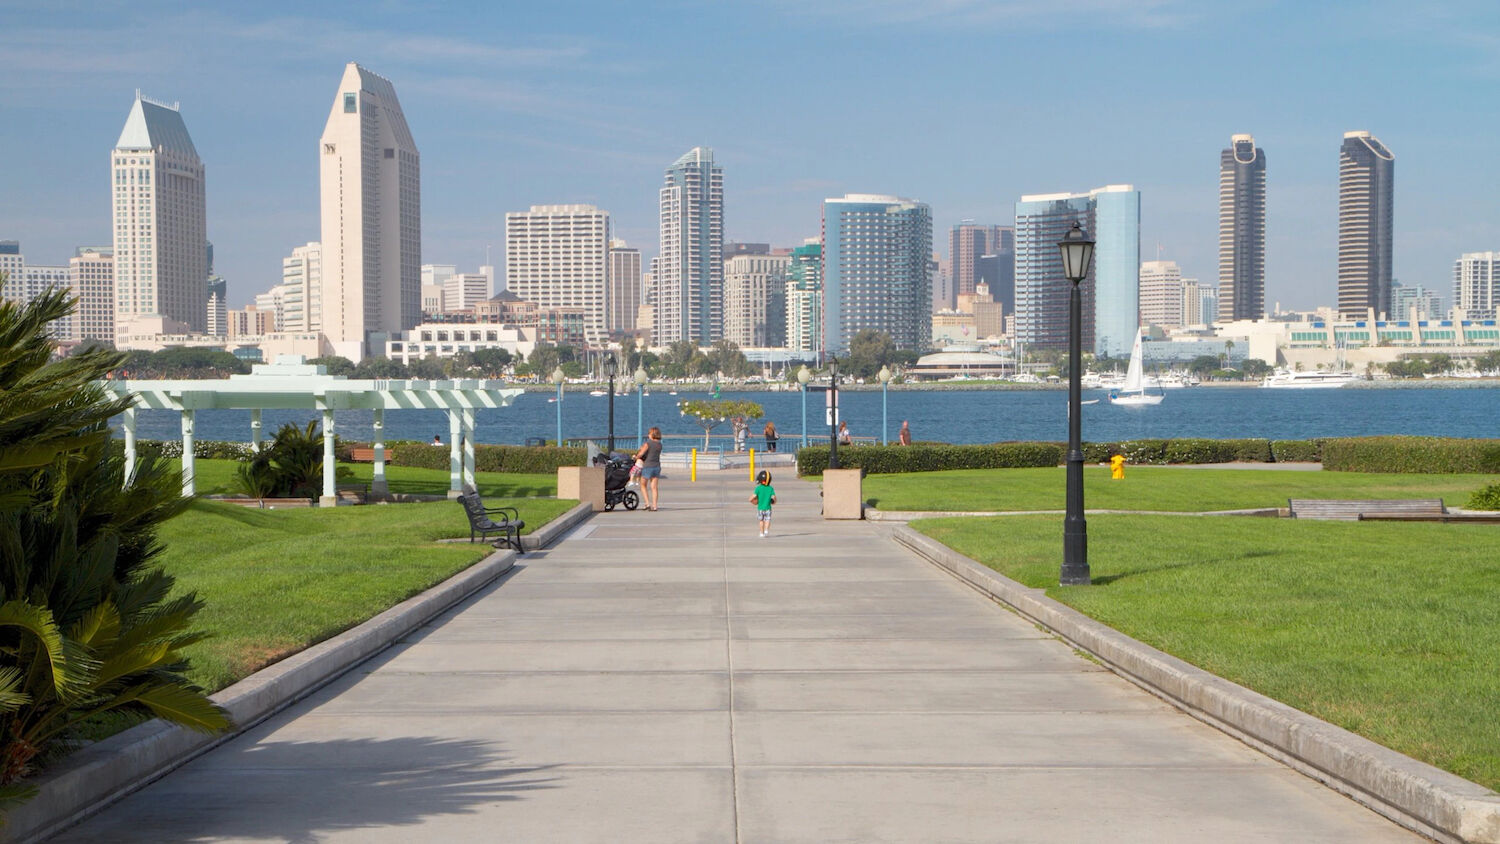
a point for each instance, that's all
(351, 103)
(390, 153)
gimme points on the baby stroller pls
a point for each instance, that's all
(619, 485)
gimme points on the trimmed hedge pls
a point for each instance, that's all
(490, 458)
(1297, 451)
(1423, 455)
(892, 459)
(203, 449)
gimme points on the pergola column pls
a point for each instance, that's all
(127, 421)
(330, 467)
(378, 486)
(455, 464)
(255, 430)
(188, 468)
(467, 415)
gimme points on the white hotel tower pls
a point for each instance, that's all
(372, 217)
(557, 256)
(160, 222)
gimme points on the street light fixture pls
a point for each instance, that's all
(640, 389)
(833, 413)
(885, 380)
(1077, 250)
(803, 376)
(557, 378)
(611, 369)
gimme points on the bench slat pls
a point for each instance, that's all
(1354, 509)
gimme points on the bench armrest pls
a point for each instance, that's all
(514, 514)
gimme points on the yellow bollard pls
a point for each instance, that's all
(1117, 467)
(694, 472)
(752, 464)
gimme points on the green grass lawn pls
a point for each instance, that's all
(214, 477)
(1152, 488)
(276, 581)
(1389, 630)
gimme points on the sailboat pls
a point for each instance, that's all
(1133, 392)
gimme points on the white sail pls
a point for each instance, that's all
(1135, 375)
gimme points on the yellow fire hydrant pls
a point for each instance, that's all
(1117, 467)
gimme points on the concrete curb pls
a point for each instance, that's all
(104, 772)
(1414, 794)
(871, 514)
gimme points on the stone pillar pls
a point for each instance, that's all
(255, 430)
(467, 416)
(187, 453)
(583, 483)
(378, 485)
(455, 459)
(842, 498)
(127, 421)
(330, 497)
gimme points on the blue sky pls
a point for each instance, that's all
(963, 104)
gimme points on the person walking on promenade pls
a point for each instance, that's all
(904, 438)
(741, 432)
(845, 438)
(763, 497)
(650, 456)
(771, 436)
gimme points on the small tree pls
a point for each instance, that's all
(710, 414)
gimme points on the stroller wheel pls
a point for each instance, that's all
(632, 500)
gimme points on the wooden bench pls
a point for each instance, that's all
(362, 455)
(1409, 509)
(352, 493)
(483, 521)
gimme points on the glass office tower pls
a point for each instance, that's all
(876, 251)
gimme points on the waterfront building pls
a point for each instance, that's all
(1414, 301)
(559, 326)
(371, 187)
(1474, 284)
(160, 223)
(689, 270)
(877, 270)
(968, 243)
(951, 326)
(448, 339)
(754, 290)
(302, 285)
(91, 274)
(218, 306)
(1110, 293)
(624, 294)
(804, 299)
(1242, 230)
(557, 256)
(1366, 221)
(1162, 294)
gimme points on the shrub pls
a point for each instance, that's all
(1424, 455)
(202, 449)
(291, 466)
(490, 458)
(1485, 498)
(892, 459)
(1297, 451)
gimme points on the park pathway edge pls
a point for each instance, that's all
(1416, 795)
(107, 771)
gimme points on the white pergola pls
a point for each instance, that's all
(292, 384)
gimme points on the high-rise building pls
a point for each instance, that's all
(754, 287)
(302, 279)
(251, 321)
(462, 291)
(999, 272)
(370, 177)
(624, 294)
(160, 219)
(1111, 292)
(689, 277)
(271, 304)
(1475, 287)
(1161, 294)
(218, 306)
(804, 299)
(1410, 299)
(31, 281)
(1195, 298)
(557, 256)
(876, 275)
(11, 261)
(1367, 175)
(91, 274)
(1242, 230)
(967, 244)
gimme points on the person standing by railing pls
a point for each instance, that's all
(904, 437)
(771, 436)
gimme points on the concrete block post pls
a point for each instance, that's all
(467, 417)
(582, 483)
(127, 422)
(378, 485)
(188, 467)
(256, 432)
(330, 497)
(455, 459)
(842, 494)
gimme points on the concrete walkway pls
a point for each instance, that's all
(670, 676)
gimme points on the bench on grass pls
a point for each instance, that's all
(483, 521)
(1408, 509)
(365, 455)
(352, 493)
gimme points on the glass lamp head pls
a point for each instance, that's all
(1077, 250)
(803, 376)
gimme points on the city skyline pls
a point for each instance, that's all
(559, 110)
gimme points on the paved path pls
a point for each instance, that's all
(670, 676)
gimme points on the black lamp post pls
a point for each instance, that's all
(611, 367)
(833, 414)
(1077, 250)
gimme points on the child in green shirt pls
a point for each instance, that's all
(764, 497)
